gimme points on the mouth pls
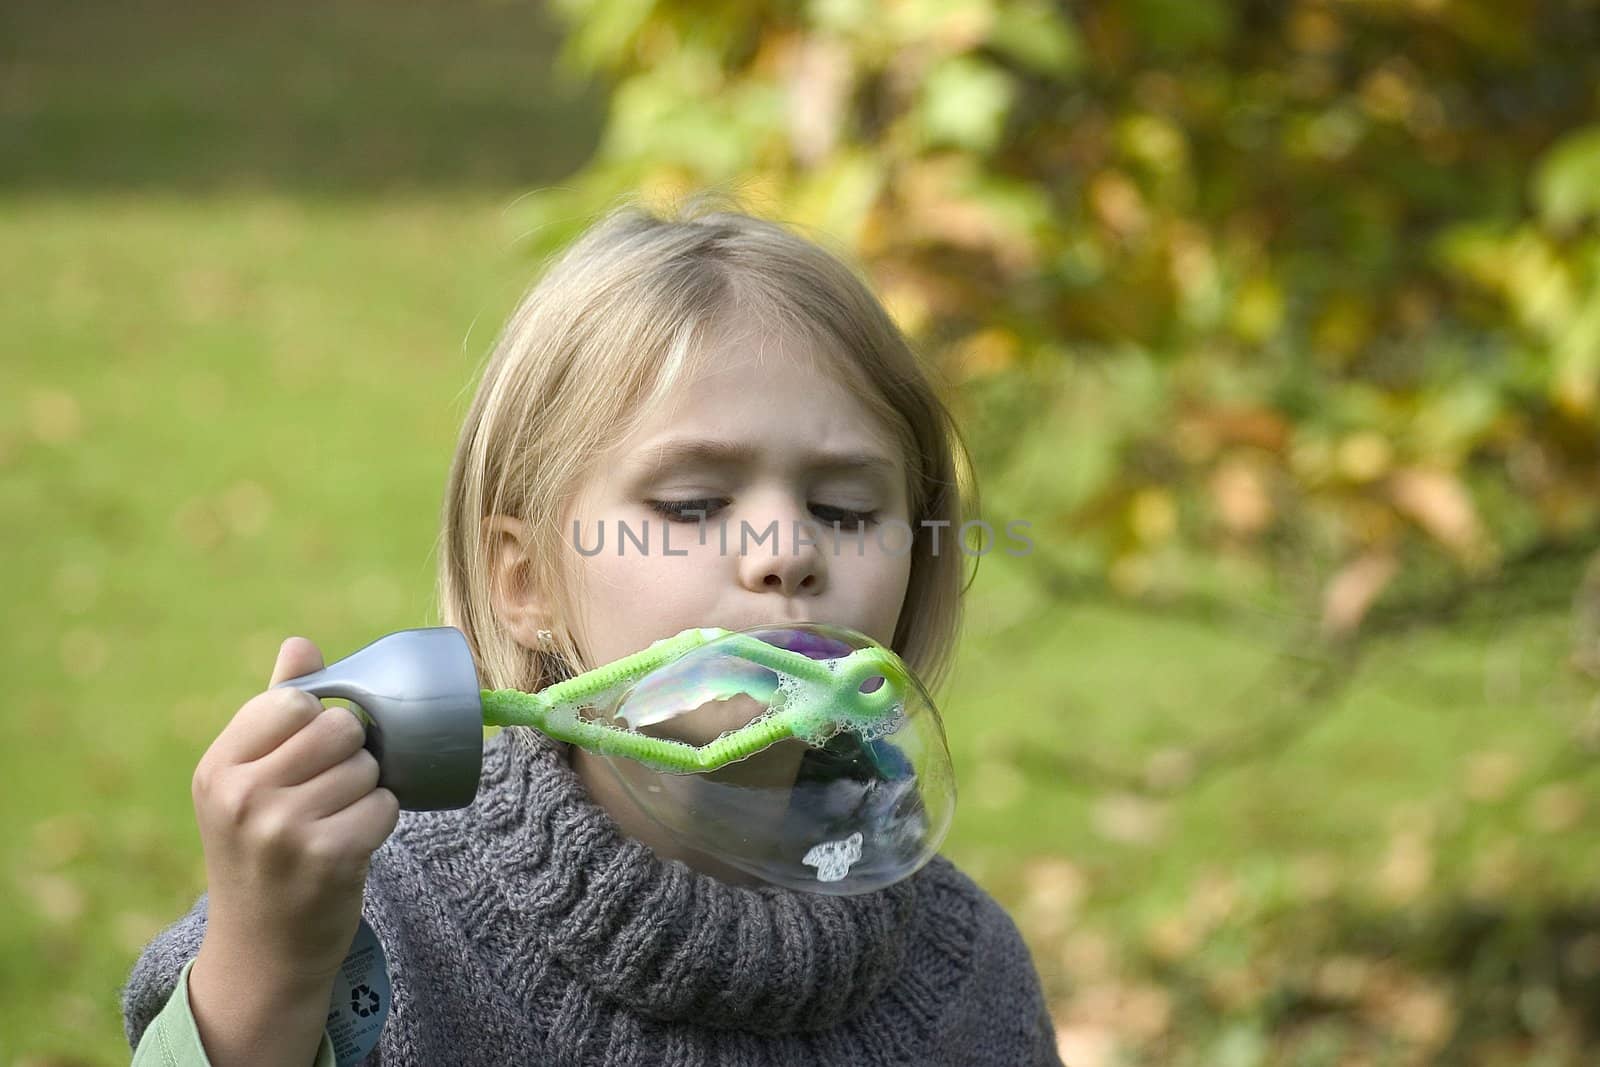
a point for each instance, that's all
(810, 643)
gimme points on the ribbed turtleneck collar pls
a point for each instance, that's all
(535, 857)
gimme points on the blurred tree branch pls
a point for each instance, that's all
(1309, 676)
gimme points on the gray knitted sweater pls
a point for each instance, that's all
(527, 928)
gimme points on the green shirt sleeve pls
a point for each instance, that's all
(173, 1041)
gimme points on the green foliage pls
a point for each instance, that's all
(1357, 244)
(1568, 181)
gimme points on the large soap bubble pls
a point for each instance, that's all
(851, 788)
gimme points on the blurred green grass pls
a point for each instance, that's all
(225, 418)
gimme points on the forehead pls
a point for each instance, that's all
(766, 358)
(744, 393)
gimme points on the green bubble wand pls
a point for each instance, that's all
(418, 693)
(810, 699)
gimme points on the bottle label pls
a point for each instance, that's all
(360, 1001)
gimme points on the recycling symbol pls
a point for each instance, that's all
(363, 1001)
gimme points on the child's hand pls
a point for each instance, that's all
(289, 813)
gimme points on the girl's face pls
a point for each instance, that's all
(768, 445)
(776, 453)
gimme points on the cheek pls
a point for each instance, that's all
(876, 585)
(641, 590)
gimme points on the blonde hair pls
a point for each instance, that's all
(616, 320)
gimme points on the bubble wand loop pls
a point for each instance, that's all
(832, 688)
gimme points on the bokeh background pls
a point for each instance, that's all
(1279, 322)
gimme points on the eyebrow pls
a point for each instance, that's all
(731, 453)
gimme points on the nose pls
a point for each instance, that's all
(784, 575)
(783, 554)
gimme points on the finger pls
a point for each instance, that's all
(265, 721)
(268, 719)
(367, 822)
(339, 786)
(296, 656)
(331, 737)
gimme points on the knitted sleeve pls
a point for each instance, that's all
(172, 1039)
(157, 995)
(155, 972)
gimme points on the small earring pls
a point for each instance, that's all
(545, 638)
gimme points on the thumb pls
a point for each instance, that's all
(296, 656)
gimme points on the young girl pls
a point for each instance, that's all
(701, 378)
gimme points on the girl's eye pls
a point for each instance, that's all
(685, 510)
(845, 517)
(695, 510)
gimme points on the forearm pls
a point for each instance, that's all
(249, 1011)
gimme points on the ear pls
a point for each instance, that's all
(518, 606)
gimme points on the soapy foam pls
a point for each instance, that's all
(833, 859)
